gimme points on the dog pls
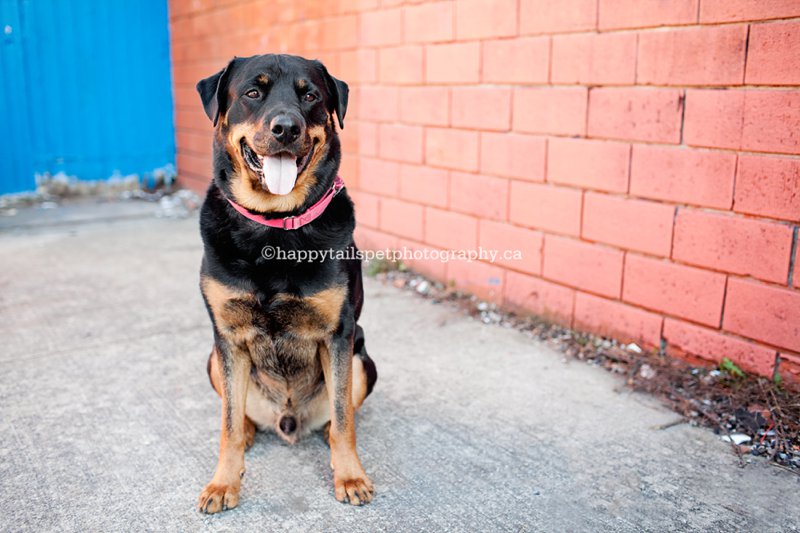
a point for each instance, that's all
(288, 354)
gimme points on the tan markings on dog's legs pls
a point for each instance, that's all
(230, 374)
(232, 311)
(328, 303)
(214, 371)
(359, 382)
(222, 492)
(350, 481)
(319, 413)
(215, 375)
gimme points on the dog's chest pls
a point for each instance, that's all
(281, 332)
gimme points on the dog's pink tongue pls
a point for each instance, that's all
(280, 173)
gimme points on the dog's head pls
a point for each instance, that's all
(275, 145)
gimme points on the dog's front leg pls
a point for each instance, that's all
(349, 479)
(222, 492)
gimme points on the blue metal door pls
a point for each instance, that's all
(85, 89)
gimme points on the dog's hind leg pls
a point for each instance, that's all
(365, 374)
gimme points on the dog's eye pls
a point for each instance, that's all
(252, 93)
(309, 97)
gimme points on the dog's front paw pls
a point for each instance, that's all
(218, 497)
(356, 490)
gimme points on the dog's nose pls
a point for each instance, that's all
(288, 424)
(285, 128)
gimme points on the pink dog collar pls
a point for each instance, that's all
(297, 221)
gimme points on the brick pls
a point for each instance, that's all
(482, 196)
(534, 295)
(453, 63)
(349, 169)
(698, 177)
(197, 184)
(354, 110)
(556, 209)
(349, 138)
(430, 22)
(424, 185)
(712, 55)
(589, 164)
(617, 14)
(424, 259)
(546, 16)
(339, 32)
(768, 186)
(617, 320)
(506, 240)
(186, 96)
(370, 239)
(401, 65)
(733, 244)
(381, 28)
(628, 223)
(735, 10)
(586, 266)
(402, 218)
(763, 312)
(358, 66)
(589, 58)
(401, 143)
(764, 121)
(771, 121)
(481, 19)
(678, 290)
(367, 138)
(486, 108)
(714, 118)
(429, 106)
(790, 367)
(715, 345)
(192, 119)
(197, 166)
(452, 231)
(378, 176)
(513, 155)
(773, 54)
(522, 60)
(456, 149)
(378, 103)
(367, 207)
(195, 142)
(560, 110)
(636, 114)
(483, 280)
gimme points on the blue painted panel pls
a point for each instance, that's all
(16, 167)
(98, 89)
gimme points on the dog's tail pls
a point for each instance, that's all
(360, 350)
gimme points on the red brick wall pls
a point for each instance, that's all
(643, 154)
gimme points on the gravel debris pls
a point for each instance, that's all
(758, 416)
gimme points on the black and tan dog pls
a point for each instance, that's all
(285, 332)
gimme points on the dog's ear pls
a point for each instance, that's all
(214, 92)
(338, 91)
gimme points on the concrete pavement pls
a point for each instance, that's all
(108, 423)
